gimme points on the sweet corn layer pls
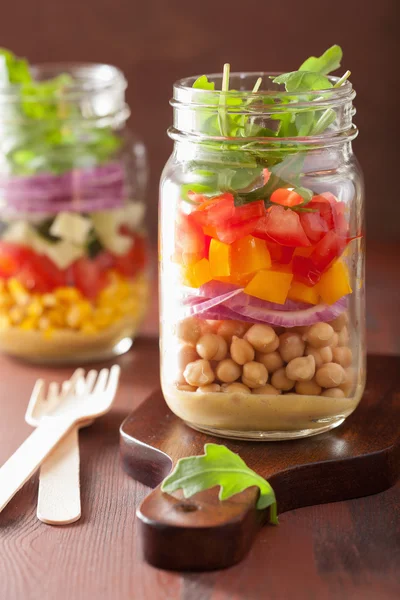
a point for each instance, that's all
(67, 309)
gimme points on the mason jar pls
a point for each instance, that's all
(262, 260)
(73, 250)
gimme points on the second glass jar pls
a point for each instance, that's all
(262, 262)
(73, 249)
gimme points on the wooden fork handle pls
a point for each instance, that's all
(30, 455)
(59, 501)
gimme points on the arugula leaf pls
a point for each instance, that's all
(328, 62)
(45, 133)
(15, 70)
(303, 81)
(219, 466)
(202, 83)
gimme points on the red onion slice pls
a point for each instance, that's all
(199, 307)
(255, 309)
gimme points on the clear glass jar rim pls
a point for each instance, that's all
(183, 88)
(87, 78)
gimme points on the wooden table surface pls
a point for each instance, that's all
(341, 551)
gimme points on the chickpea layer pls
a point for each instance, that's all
(233, 356)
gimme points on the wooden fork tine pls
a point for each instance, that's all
(71, 383)
(36, 396)
(90, 381)
(113, 380)
(101, 382)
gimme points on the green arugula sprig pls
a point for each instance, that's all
(237, 168)
(45, 133)
(219, 466)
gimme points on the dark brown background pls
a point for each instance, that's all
(156, 42)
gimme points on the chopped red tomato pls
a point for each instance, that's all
(89, 276)
(35, 272)
(283, 227)
(134, 260)
(305, 271)
(330, 247)
(314, 225)
(189, 236)
(331, 212)
(227, 221)
(280, 254)
(214, 211)
(12, 258)
(286, 197)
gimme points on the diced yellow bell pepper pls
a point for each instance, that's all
(335, 283)
(219, 256)
(198, 274)
(304, 293)
(241, 280)
(272, 286)
(249, 254)
(191, 258)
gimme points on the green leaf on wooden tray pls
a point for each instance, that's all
(219, 466)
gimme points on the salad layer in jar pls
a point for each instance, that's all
(262, 276)
(73, 251)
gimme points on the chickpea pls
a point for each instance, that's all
(237, 388)
(185, 355)
(280, 380)
(263, 338)
(227, 329)
(254, 374)
(189, 330)
(183, 387)
(299, 329)
(211, 387)
(301, 369)
(335, 340)
(319, 335)
(291, 346)
(308, 388)
(348, 384)
(340, 322)
(343, 356)
(333, 393)
(330, 375)
(272, 361)
(267, 390)
(199, 373)
(321, 356)
(344, 337)
(241, 351)
(228, 371)
(212, 347)
(210, 326)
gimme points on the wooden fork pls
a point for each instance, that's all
(92, 397)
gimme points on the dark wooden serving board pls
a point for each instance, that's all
(359, 458)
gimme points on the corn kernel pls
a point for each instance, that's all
(16, 315)
(18, 292)
(29, 324)
(35, 308)
(68, 294)
(44, 323)
(56, 317)
(77, 313)
(49, 300)
(88, 328)
(4, 322)
(48, 333)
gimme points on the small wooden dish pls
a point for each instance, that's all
(359, 458)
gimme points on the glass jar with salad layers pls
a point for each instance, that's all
(73, 251)
(262, 257)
